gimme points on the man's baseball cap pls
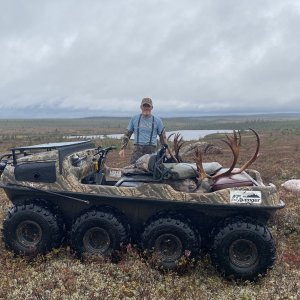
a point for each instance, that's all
(147, 101)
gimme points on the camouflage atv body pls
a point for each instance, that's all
(65, 190)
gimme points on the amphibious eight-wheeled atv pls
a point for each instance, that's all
(66, 190)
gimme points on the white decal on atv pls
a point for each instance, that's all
(248, 197)
(115, 173)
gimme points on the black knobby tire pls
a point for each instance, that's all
(243, 249)
(31, 229)
(98, 233)
(170, 239)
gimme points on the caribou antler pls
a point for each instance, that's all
(199, 164)
(234, 144)
(255, 155)
(177, 144)
(168, 138)
(170, 152)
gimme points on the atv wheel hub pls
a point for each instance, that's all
(169, 246)
(243, 253)
(29, 233)
(96, 240)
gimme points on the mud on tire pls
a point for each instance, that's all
(31, 229)
(168, 240)
(98, 233)
(243, 249)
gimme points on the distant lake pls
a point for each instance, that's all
(188, 135)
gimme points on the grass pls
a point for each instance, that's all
(59, 275)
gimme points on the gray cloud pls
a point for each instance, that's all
(191, 57)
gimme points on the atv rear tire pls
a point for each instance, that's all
(31, 229)
(169, 240)
(98, 233)
(243, 250)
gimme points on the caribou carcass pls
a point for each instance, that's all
(223, 176)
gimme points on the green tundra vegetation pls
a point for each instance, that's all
(19, 128)
(60, 275)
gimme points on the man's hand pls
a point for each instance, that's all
(122, 153)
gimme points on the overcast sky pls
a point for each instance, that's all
(93, 58)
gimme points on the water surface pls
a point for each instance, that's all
(188, 135)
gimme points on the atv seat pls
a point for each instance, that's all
(135, 180)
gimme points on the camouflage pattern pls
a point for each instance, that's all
(188, 185)
(140, 150)
(142, 163)
(125, 139)
(70, 180)
(179, 171)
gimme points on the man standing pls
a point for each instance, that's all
(146, 128)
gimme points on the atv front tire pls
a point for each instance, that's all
(98, 233)
(169, 239)
(31, 229)
(243, 250)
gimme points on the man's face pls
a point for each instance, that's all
(146, 110)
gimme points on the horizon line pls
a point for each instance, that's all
(165, 117)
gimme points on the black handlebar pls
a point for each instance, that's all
(102, 156)
(104, 151)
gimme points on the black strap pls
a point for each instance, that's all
(151, 130)
(138, 130)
